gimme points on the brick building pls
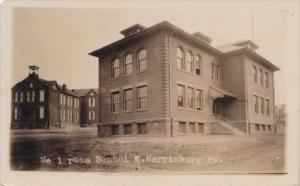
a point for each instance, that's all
(42, 104)
(89, 106)
(162, 81)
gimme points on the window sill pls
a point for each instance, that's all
(189, 109)
(128, 111)
(126, 75)
(190, 73)
(141, 71)
(115, 113)
(141, 110)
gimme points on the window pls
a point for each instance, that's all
(180, 95)
(257, 127)
(91, 115)
(217, 72)
(268, 106)
(254, 73)
(128, 64)
(70, 115)
(199, 98)
(142, 128)
(42, 95)
(16, 114)
(28, 97)
(213, 71)
(269, 128)
(189, 62)
(128, 100)
(62, 99)
(179, 58)
(16, 97)
(142, 97)
(263, 127)
(127, 129)
(182, 127)
(32, 96)
(200, 128)
(115, 102)
(42, 112)
(192, 127)
(31, 85)
(76, 103)
(261, 77)
(115, 129)
(142, 60)
(92, 102)
(255, 103)
(21, 97)
(267, 79)
(76, 116)
(198, 65)
(62, 115)
(262, 105)
(115, 68)
(190, 97)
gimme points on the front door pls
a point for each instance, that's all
(218, 108)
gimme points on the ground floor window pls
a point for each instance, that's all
(263, 127)
(16, 114)
(200, 128)
(182, 128)
(269, 128)
(127, 129)
(192, 127)
(42, 110)
(115, 129)
(257, 127)
(91, 115)
(142, 128)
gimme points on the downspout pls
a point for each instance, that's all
(170, 99)
(246, 95)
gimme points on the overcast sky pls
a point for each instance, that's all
(58, 40)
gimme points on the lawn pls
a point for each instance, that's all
(83, 151)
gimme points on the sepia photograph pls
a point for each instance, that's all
(151, 88)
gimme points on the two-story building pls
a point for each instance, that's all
(163, 81)
(42, 104)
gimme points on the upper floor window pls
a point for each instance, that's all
(198, 65)
(261, 77)
(217, 70)
(268, 106)
(16, 97)
(189, 62)
(254, 73)
(30, 96)
(128, 100)
(92, 102)
(190, 97)
(199, 99)
(91, 115)
(179, 58)
(76, 102)
(62, 99)
(142, 98)
(255, 103)
(213, 66)
(21, 97)
(31, 85)
(142, 60)
(267, 79)
(180, 95)
(42, 95)
(262, 105)
(115, 101)
(62, 115)
(128, 64)
(76, 116)
(16, 116)
(115, 68)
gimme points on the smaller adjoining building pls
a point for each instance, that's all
(89, 107)
(43, 104)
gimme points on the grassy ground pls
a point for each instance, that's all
(83, 151)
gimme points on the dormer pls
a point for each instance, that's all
(132, 30)
(202, 37)
(247, 44)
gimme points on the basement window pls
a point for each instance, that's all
(182, 127)
(257, 128)
(115, 129)
(127, 129)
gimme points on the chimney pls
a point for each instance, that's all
(64, 86)
(132, 30)
(202, 37)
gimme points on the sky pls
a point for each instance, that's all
(58, 40)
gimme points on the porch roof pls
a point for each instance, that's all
(219, 93)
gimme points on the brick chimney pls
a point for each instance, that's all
(64, 86)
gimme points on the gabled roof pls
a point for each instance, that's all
(83, 92)
(146, 31)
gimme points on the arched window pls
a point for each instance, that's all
(179, 60)
(261, 77)
(128, 64)
(115, 68)
(254, 72)
(189, 62)
(142, 60)
(198, 64)
(267, 79)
